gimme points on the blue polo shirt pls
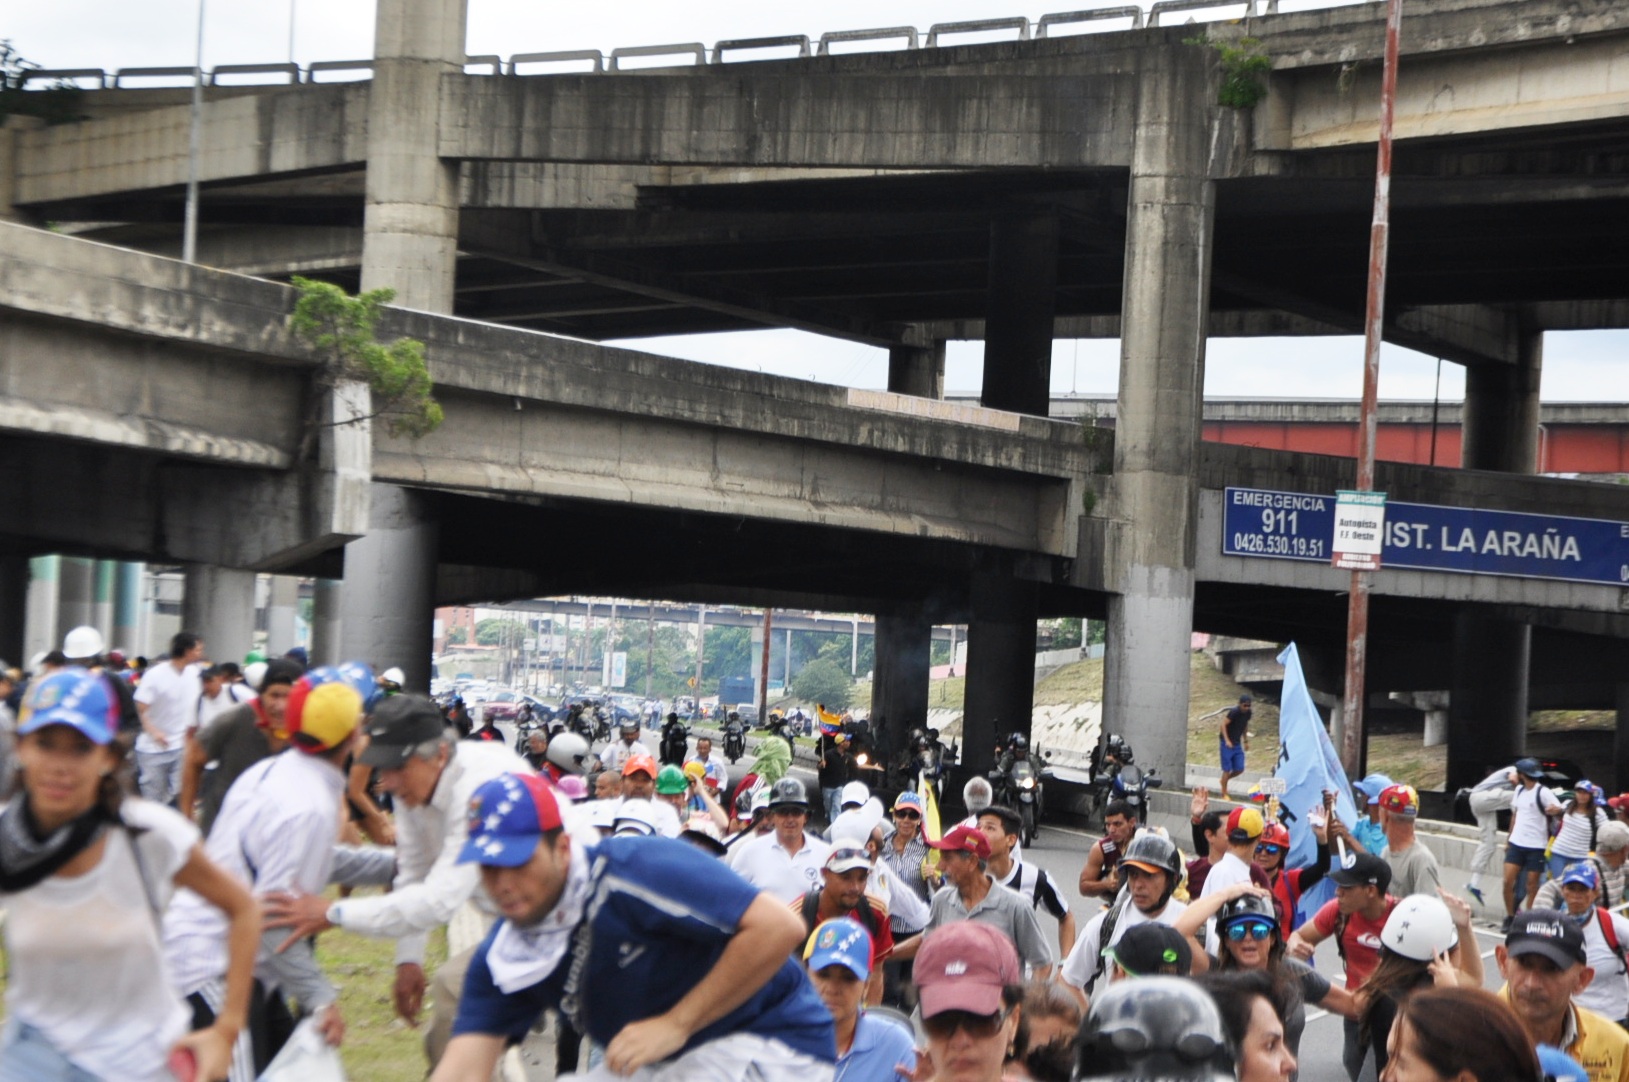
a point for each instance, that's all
(659, 915)
(880, 1045)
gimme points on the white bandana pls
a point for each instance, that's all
(521, 957)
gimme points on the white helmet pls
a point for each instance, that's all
(393, 675)
(569, 752)
(1419, 928)
(855, 792)
(254, 673)
(636, 816)
(82, 642)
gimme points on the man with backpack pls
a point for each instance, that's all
(1152, 869)
(842, 893)
(1003, 827)
(1606, 936)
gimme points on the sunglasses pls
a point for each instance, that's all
(905, 813)
(838, 855)
(1270, 850)
(1248, 929)
(944, 1025)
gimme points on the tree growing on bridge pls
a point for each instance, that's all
(57, 103)
(340, 327)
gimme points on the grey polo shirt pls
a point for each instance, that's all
(1001, 908)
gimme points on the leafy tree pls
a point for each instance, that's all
(824, 681)
(458, 636)
(58, 103)
(728, 653)
(340, 327)
(493, 631)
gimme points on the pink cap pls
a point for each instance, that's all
(963, 967)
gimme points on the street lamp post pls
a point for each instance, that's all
(189, 228)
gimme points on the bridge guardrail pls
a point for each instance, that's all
(180, 71)
(496, 65)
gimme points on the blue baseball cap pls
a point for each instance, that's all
(77, 698)
(507, 818)
(1557, 1066)
(840, 942)
(1373, 785)
(1583, 873)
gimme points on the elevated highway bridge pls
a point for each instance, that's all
(1011, 192)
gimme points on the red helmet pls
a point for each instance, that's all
(1275, 834)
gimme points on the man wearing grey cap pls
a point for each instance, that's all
(1543, 963)
(433, 777)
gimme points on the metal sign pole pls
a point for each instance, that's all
(1357, 614)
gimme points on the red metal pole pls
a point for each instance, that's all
(763, 672)
(1357, 612)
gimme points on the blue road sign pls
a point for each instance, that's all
(1299, 526)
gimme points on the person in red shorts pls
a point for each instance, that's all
(1355, 919)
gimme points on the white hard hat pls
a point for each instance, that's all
(603, 814)
(83, 641)
(855, 792)
(636, 816)
(36, 661)
(1420, 927)
(393, 675)
(254, 673)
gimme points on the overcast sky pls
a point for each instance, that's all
(112, 34)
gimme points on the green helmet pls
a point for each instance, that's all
(670, 781)
(253, 656)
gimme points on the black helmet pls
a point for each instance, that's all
(1156, 849)
(1251, 906)
(1019, 740)
(788, 792)
(1165, 1028)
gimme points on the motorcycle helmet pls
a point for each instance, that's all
(1246, 907)
(392, 679)
(1019, 741)
(1120, 749)
(569, 752)
(629, 725)
(1156, 853)
(1420, 927)
(1275, 834)
(788, 792)
(1154, 1027)
(743, 805)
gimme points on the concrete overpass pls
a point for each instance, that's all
(1011, 192)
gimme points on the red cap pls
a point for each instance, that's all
(1619, 801)
(1244, 824)
(1401, 799)
(963, 966)
(637, 763)
(965, 839)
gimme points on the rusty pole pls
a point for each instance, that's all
(763, 671)
(1357, 612)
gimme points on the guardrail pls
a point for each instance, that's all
(698, 54)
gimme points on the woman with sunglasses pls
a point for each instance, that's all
(1289, 884)
(86, 871)
(971, 990)
(1252, 940)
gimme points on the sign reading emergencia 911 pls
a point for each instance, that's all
(1299, 526)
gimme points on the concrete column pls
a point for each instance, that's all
(76, 592)
(1620, 741)
(1488, 711)
(1153, 504)
(40, 634)
(1000, 689)
(11, 131)
(410, 215)
(282, 614)
(1018, 318)
(1487, 705)
(127, 583)
(13, 608)
(327, 596)
(102, 599)
(917, 370)
(219, 604)
(899, 688)
(389, 606)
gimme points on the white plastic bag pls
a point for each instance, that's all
(305, 1058)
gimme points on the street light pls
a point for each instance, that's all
(189, 228)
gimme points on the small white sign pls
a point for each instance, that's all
(1273, 786)
(1360, 530)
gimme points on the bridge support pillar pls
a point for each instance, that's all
(899, 696)
(1153, 498)
(13, 608)
(1000, 691)
(44, 598)
(127, 597)
(1018, 321)
(76, 584)
(389, 598)
(219, 604)
(1620, 741)
(917, 370)
(410, 216)
(327, 599)
(282, 600)
(1487, 721)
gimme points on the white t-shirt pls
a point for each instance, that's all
(1529, 825)
(1085, 957)
(172, 704)
(229, 696)
(1608, 994)
(1226, 872)
(766, 864)
(614, 754)
(86, 967)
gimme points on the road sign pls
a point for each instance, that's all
(1360, 527)
(1428, 537)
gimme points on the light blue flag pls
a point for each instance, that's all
(1308, 765)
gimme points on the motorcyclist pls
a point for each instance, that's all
(675, 741)
(566, 754)
(613, 755)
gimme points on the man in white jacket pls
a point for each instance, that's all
(432, 776)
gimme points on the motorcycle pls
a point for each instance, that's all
(1116, 776)
(735, 741)
(675, 741)
(1132, 784)
(524, 729)
(929, 763)
(1022, 787)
